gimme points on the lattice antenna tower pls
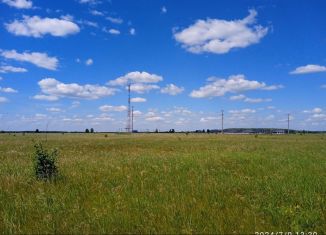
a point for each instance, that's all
(128, 127)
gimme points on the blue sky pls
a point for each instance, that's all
(66, 64)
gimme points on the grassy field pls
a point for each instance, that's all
(163, 183)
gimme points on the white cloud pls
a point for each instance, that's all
(137, 113)
(96, 13)
(234, 84)
(89, 23)
(172, 89)
(89, 62)
(114, 20)
(3, 99)
(38, 27)
(238, 97)
(310, 68)
(91, 2)
(164, 10)
(132, 31)
(12, 69)
(315, 110)
(138, 100)
(208, 119)
(41, 60)
(110, 108)
(323, 86)
(142, 88)
(248, 100)
(256, 100)
(154, 119)
(46, 97)
(220, 36)
(136, 77)
(54, 110)
(242, 111)
(55, 88)
(20, 4)
(111, 31)
(7, 90)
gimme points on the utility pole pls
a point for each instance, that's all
(222, 112)
(128, 128)
(132, 119)
(288, 123)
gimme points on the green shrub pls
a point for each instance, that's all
(45, 163)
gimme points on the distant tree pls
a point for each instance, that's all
(208, 131)
(156, 130)
(203, 130)
(171, 131)
(37, 131)
(92, 130)
(86, 131)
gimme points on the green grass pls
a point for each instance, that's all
(161, 183)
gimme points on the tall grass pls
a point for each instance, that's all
(147, 183)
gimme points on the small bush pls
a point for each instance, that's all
(45, 163)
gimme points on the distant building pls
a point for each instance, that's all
(278, 132)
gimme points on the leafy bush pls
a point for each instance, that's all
(45, 163)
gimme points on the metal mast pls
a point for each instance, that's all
(132, 119)
(128, 128)
(288, 123)
(222, 112)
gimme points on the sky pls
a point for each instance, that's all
(65, 65)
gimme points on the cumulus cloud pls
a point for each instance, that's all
(315, 110)
(37, 27)
(237, 97)
(111, 31)
(96, 13)
(208, 119)
(88, 23)
(220, 36)
(91, 2)
(7, 90)
(249, 100)
(114, 20)
(234, 84)
(141, 88)
(242, 111)
(3, 99)
(12, 69)
(110, 108)
(20, 4)
(132, 31)
(309, 68)
(172, 89)
(136, 77)
(45, 97)
(54, 88)
(138, 100)
(41, 60)
(54, 110)
(256, 100)
(152, 117)
(89, 62)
